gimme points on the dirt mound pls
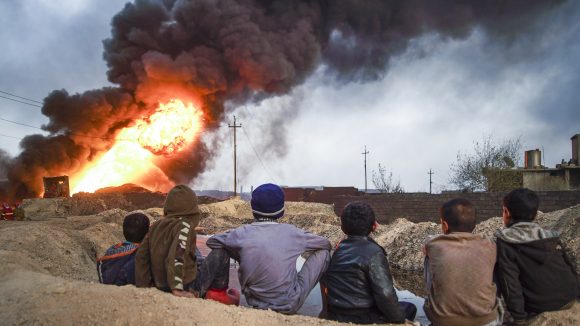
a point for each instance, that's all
(41, 299)
(48, 273)
(403, 239)
(53, 250)
(126, 188)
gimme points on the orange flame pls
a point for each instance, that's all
(173, 127)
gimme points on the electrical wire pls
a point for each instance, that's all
(258, 156)
(8, 136)
(21, 97)
(11, 99)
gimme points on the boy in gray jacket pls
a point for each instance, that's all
(267, 252)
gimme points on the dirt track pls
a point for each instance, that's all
(48, 275)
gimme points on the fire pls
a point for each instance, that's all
(170, 129)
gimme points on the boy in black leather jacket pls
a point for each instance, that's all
(358, 286)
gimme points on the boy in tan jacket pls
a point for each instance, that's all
(166, 257)
(459, 271)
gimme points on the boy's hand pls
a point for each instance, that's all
(183, 294)
(414, 323)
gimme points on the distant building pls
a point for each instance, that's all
(566, 176)
(535, 176)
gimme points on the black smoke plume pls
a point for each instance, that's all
(221, 51)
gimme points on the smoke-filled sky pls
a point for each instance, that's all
(436, 93)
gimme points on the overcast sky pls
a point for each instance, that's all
(437, 98)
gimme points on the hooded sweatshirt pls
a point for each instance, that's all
(533, 273)
(166, 257)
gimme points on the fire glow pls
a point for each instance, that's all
(170, 129)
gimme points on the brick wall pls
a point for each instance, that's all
(421, 207)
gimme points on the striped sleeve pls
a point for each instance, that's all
(180, 252)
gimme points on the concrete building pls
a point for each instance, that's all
(565, 176)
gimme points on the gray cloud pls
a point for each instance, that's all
(246, 51)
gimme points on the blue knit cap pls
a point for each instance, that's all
(268, 201)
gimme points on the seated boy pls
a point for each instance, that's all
(117, 266)
(166, 258)
(459, 269)
(358, 286)
(534, 274)
(267, 252)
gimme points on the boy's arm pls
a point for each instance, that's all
(180, 254)
(381, 283)
(217, 241)
(315, 242)
(143, 276)
(508, 274)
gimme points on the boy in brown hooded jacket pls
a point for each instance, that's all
(166, 258)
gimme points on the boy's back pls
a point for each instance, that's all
(117, 266)
(267, 252)
(533, 272)
(459, 269)
(460, 272)
(358, 275)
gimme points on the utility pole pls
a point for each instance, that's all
(235, 126)
(430, 180)
(365, 154)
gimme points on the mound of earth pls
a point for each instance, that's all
(48, 273)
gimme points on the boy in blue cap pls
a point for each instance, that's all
(267, 252)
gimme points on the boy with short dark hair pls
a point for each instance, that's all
(459, 267)
(533, 271)
(117, 266)
(358, 286)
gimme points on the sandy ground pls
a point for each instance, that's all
(48, 274)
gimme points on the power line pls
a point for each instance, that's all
(258, 156)
(24, 98)
(11, 99)
(20, 123)
(8, 136)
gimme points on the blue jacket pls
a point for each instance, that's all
(117, 266)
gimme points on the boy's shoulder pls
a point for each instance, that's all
(458, 238)
(119, 250)
(367, 244)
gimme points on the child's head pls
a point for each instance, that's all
(135, 227)
(520, 205)
(457, 215)
(267, 202)
(358, 218)
(181, 201)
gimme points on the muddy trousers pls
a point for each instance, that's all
(311, 272)
(213, 272)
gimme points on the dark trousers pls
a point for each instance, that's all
(369, 316)
(213, 272)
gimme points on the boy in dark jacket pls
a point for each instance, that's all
(358, 286)
(117, 266)
(166, 258)
(459, 269)
(533, 272)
